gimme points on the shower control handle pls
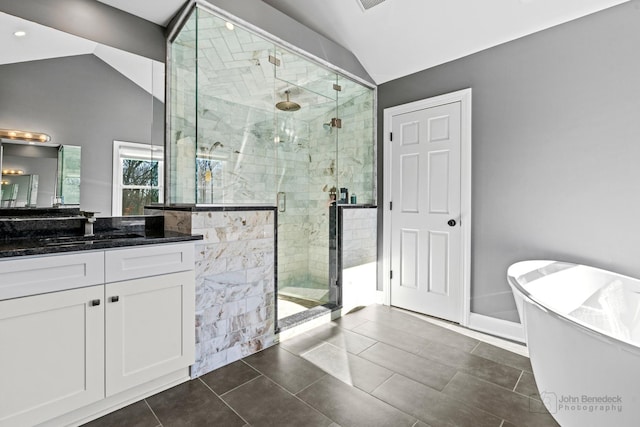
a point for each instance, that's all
(452, 223)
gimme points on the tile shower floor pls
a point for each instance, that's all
(296, 299)
(378, 366)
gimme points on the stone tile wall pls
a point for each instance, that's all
(235, 283)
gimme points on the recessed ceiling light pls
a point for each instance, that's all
(20, 33)
(229, 26)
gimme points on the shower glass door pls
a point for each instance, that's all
(306, 158)
(256, 125)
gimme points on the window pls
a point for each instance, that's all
(138, 177)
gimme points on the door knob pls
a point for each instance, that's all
(452, 223)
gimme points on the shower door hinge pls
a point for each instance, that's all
(336, 123)
(390, 274)
(390, 206)
(337, 88)
(391, 136)
(275, 61)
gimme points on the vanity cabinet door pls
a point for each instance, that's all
(51, 354)
(150, 329)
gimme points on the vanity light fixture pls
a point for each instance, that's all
(12, 172)
(24, 135)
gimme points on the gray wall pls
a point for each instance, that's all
(556, 148)
(95, 21)
(80, 100)
(260, 14)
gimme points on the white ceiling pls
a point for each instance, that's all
(400, 37)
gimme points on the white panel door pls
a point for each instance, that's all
(150, 329)
(51, 354)
(426, 238)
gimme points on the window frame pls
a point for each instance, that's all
(134, 151)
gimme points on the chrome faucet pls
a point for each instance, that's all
(88, 225)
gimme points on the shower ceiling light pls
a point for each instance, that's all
(229, 26)
(20, 33)
(24, 135)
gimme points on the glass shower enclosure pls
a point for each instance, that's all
(253, 123)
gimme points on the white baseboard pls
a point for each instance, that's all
(498, 327)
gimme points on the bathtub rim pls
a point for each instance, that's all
(626, 345)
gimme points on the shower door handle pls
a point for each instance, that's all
(282, 201)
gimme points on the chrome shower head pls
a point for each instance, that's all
(287, 105)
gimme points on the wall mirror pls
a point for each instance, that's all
(39, 175)
(83, 94)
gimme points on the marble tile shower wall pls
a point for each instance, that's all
(359, 237)
(236, 143)
(357, 154)
(235, 283)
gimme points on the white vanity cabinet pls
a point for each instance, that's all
(51, 354)
(68, 355)
(149, 331)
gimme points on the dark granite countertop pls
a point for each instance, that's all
(211, 208)
(54, 245)
(356, 206)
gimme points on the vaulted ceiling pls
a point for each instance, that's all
(399, 37)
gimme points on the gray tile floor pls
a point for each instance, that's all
(376, 367)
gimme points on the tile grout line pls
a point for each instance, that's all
(293, 394)
(313, 383)
(462, 330)
(481, 409)
(449, 382)
(461, 402)
(518, 382)
(366, 392)
(422, 355)
(386, 381)
(237, 387)
(425, 356)
(224, 401)
(153, 412)
(300, 400)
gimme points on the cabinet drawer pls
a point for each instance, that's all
(145, 261)
(31, 276)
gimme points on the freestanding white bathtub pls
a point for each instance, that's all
(582, 327)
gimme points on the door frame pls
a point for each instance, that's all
(464, 97)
